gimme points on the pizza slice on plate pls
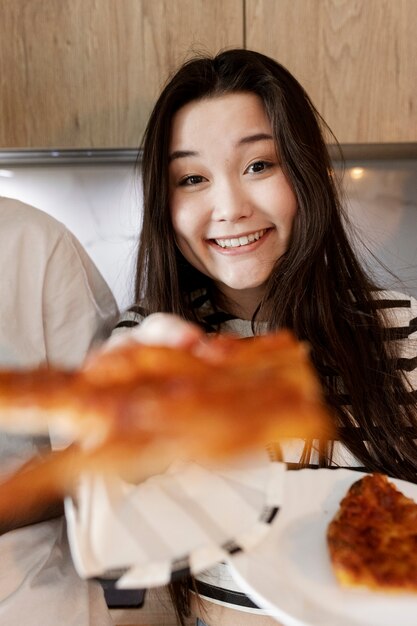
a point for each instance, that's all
(373, 538)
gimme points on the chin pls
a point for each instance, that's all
(244, 285)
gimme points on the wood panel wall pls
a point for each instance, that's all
(357, 59)
(85, 73)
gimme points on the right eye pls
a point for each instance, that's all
(193, 179)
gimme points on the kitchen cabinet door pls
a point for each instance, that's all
(85, 73)
(357, 59)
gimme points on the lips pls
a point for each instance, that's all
(244, 240)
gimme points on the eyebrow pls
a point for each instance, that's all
(182, 154)
(255, 138)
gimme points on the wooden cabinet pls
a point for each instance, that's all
(357, 59)
(85, 73)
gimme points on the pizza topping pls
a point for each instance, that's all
(373, 538)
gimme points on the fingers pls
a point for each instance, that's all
(165, 329)
(160, 329)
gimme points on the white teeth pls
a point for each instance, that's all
(240, 241)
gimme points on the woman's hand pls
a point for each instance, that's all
(166, 329)
(163, 329)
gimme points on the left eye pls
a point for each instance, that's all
(258, 166)
(190, 181)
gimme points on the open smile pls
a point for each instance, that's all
(238, 242)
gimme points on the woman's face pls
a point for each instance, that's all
(232, 207)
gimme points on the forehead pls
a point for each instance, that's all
(203, 121)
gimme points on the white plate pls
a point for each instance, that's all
(290, 572)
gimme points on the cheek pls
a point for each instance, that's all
(178, 217)
(175, 223)
(292, 211)
(183, 226)
(287, 206)
(187, 221)
(277, 200)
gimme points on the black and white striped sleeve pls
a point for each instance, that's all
(129, 319)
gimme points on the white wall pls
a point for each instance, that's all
(101, 206)
(382, 203)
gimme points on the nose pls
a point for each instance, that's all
(230, 202)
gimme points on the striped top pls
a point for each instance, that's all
(401, 313)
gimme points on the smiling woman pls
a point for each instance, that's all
(244, 232)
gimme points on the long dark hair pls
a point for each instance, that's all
(318, 289)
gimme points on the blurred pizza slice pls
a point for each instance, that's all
(134, 409)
